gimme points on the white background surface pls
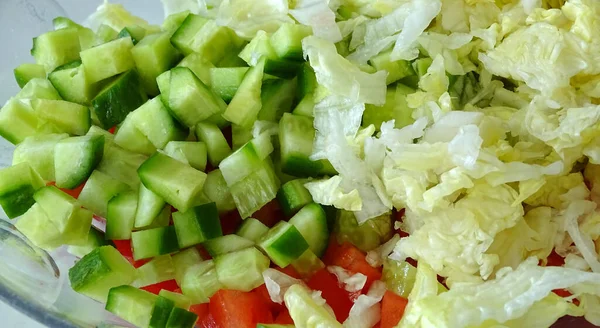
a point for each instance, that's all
(77, 10)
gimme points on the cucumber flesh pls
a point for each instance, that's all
(131, 304)
(150, 206)
(160, 312)
(184, 260)
(226, 244)
(99, 189)
(25, 72)
(252, 229)
(120, 216)
(283, 244)
(241, 270)
(181, 318)
(18, 183)
(75, 158)
(38, 152)
(200, 282)
(246, 103)
(311, 221)
(293, 196)
(107, 60)
(18, 121)
(216, 144)
(197, 225)
(153, 242)
(56, 48)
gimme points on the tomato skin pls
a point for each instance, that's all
(230, 222)
(392, 309)
(337, 297)
(170, 285)
(205, 319)
(236, 309)
(270, 214)
(352, 259)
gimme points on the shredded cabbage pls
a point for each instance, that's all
(117, 17)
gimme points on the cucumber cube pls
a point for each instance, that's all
(293, 196)
(246, 103)
(226, 244)
(72, 84)
(68, 117)
(120, 215)
(225, 81)
(152, 119)
(121, 165)
(161, 311)
(99, 189)
(56, 48)
(184, 260)
(75, 158)
(396, 69)
(178, 184)
(38, 152)
(153, 242)
(150, 206)
(131, 304)
(287, 40)
(99, 271)
(25, 72)
(190, 152)
(200, 282)
(311, 221)
(153, 55)
(18, 183)
(283, 244)
(135, 32)
(18, 121)
(130, 138)
(252, 229)
(107, 60)
(216, 144)
(158, 270)
(181, 318)
(180, 300)
(197, 225)
(39, 229)
(241, 270)
(256, 190)
(185, 36)
(216, 190)
(40, 89)
(199, 65)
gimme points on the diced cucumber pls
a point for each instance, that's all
(107, 60)
(190, 152)
(305, 311)
(40, 89)
(296, 135)
(306, 106)
(178, 184)
(264, 325)
(117, 99)
(25, 72)
(120, 215)
(38, 152)
(260, 47)
(150, 206)
(246, 103)
(216, 144)
(237, 166)
(37, 227)
(68, 117)
(197, 225)
(311, 221)
(99, 189)
(18, 183)
(366, 236)
(252, 229)
(18, 121)
(122, 165)
(396, 69)
(256, 190)
(65, 212)
(217, 191)
(99, 271)
(293, 196)
(199, 65)
(283, 244)
(185, 36)
(241, 270)
(131, 304)
(307, 81)
(307, 264)
(135, 32)
(162, 219)
(180, 300)
(240, 135)
(158, 270)
(395, 108)
(153, 242)
(75, 158)
(106, 34)
(225, 81)
(231, 60)
(94, 240)
(72, 84)
(130, 138)
(181, 318)
(56, 48)
(184, 260)
(200, 282)
(154, 55)
(226, 244)
(173, 21)
(276, 97)
(191, 100)
(153, 120)
(287, 40)
(160, 313)
(87, 37)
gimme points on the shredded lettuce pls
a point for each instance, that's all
(117, 17)
(318, 15)
(329, 192)
(246, 17)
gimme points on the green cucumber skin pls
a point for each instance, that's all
(119, 98)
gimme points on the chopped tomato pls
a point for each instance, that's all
(124, 247)
(236, 309)
(275, 308)
(284, 318)
(170, 285)
(392, 309)
(269, 214)
(203, 252)
(205, 319)
(352, 259)
(555, 260)
(290, 271)
(336, 296)
(230, 221)
(112, 130)
(73, 192)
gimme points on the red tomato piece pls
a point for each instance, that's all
(336, 296)
(555, 260)
(230, 222)
(73, 192)
(269, 214)
(236, 309)
(290, 271)
(205, 319)
(352, 259)
(275, 308)
(124, 247)
(392, 309)
(284, 318)
(170, 285)
(112, 130)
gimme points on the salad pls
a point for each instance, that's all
(313, 163)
